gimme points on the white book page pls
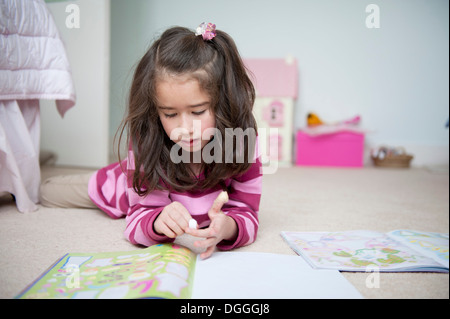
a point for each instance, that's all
(251, 275)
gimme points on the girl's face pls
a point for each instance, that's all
(185, 112)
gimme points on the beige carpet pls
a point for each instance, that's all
(294, 199)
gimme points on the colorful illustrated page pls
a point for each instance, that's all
(433, 245)
(159, 271)
(354, 250)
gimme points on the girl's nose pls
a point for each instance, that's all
(186, 123)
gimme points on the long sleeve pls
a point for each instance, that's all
(243, 206)
(112, 192)
(142, 215)
(142, 212)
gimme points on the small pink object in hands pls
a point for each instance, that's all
(206, 30)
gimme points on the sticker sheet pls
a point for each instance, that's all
(357, 250)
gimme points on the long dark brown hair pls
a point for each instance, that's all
(218, 67)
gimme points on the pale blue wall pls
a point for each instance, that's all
(396, 77)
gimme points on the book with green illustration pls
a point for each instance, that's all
(171, 271)
(398, 250)
(129, 274)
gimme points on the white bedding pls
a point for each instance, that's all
(33, 66)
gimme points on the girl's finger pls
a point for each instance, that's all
(174, 227)
(182, 216)
(205, 243)
(208, 252)
(219, 202)
(165, 230)
(204, 232)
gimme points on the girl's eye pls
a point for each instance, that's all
(199, 113)
(170, 115)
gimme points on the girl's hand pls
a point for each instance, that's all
(172, 221)
(222, 227)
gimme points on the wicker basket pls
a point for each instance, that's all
(392, 158)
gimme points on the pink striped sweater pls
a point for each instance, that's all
(110, 190)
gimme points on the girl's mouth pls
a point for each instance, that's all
(190, 142)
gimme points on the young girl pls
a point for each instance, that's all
(189, 91)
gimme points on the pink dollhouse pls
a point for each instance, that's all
(273, 114)
(275, 81)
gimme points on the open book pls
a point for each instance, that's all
(173, 271)
(398, 250)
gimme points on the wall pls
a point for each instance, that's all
(396, 77)
(81, 138)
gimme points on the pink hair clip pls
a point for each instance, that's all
(206, 30)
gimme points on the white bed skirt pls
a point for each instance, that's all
(20, 173)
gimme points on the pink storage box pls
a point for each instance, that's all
(343, 149)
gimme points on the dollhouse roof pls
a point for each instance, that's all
(274, 77)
